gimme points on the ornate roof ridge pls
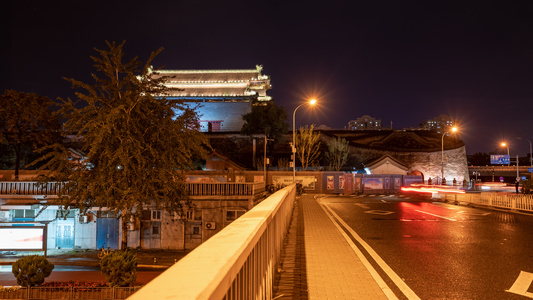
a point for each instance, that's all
(258, 69)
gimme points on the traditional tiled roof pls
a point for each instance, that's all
(375, 162)
(224, 83)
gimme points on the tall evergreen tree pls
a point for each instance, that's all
(26, 121)
(136, 142)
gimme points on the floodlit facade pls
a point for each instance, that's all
(221, 97)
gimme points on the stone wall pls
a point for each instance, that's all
(428, 162)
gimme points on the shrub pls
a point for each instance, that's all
(32, 270)
(73, 283)
(119, 268)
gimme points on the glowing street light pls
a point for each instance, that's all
(530, 152)
(311, 102)
(453, 129)
(504, 144)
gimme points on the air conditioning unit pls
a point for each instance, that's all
(210, 225)
(130, 227)
(84, 219)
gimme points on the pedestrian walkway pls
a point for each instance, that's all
(323, 263)
(334, 271)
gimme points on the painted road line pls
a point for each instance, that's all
(522, 284)
(362, 205)
(379, 212)
(424, 212)
(404, 288)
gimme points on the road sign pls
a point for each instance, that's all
(500, 159)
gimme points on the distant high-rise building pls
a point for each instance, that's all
(438, 124)
(365, 122)
(221, 96)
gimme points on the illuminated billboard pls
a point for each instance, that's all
(22, 238)
(500, 159)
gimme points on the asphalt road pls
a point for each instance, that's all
(440, 250)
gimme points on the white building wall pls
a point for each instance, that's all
(85, 234)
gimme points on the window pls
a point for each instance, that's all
(156, 229)
(190, 215)
(195, 230)
(156, 215)
(23, 214)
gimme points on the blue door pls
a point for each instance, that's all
(65, 233)
(107, 233)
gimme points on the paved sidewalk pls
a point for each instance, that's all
(334, 271)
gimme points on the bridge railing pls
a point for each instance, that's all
(237, 263)
(225, 188)
(503, 200)
(195, 189)
(29, 188)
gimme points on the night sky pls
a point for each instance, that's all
(403, 62)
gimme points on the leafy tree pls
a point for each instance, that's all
(26, 121)
(268, 119)
(337, 154)
(119, 268)
(135, 144)
(308, 146)
(31, 270)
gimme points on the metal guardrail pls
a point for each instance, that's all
(67, 292)
(237, 263)
(502, 200)
(225, 188)
(195, 189)
(29, 188)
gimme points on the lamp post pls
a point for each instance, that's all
(530, 152)
(265, 159)
(454, 129)
(311, 102)
(504, 144)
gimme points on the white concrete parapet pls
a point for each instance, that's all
(238, 262)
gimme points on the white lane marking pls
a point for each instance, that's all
(381, 283)
(522, 284)
(424, 212)
(362, 205)
(379, 212)
(473, 213)
(406, 290)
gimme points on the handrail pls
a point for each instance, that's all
(29, 188)
(502, 200)
(236, 263)
(194, 189)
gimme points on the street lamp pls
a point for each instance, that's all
(504, 144)
(530, 152)
(454, 129)
(265, 159)
(311, 102)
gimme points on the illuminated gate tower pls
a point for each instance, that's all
(222, 96)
